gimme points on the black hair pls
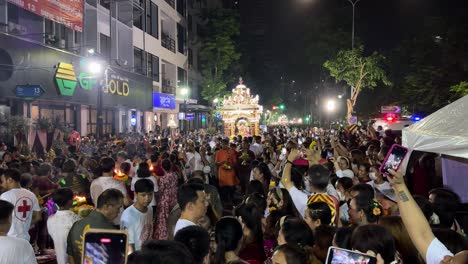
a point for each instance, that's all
(125, 167)
(368, 205)
(166, 165)
(62, 196)
(446, 203)
(44, 169)
(451, 239)
(196, 239)
(346, 182)
(319, 176)
(143, 257)
(293, 254)
(343, 237)
(297, 232)
(6, 208)
(288, 207)
(228, 233)
(188, 194)
(26, 180)
(324, 236)
(376, 238)
(143, 170)
(251, 216)
(107, 164)
(13, 174)
(365, 190)
(168, 251)
(425, 206)
(265, 170)
(255, 186)
(297, 176)
(144, 186)
(320, 210)
(154, 157)
(258, 199)
(109, 197)
(69, 166)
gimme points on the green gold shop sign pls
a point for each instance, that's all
(66, 79)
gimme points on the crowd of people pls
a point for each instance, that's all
(286, 196)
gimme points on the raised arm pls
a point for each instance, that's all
(418, 228)
(286, 179)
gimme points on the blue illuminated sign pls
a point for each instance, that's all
(161, 100)
(29, 91)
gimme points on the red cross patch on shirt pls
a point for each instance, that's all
(22, 207)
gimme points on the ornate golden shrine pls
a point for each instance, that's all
(241, 112)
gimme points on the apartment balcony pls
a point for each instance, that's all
(167, 87)
(171, 3)
(168, 43)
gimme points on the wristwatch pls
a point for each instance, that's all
(288, 161)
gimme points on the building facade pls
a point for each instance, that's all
(141, 48)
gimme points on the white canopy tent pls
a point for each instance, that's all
(444, 132)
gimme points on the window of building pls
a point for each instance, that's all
(105, 3)
(190, 57)
(181, 39)
(155, 68)
(139, 61)
(13, 13)
(77, 37)
(152, 19)
(181, 77)
(189, 23)
(138, 18)
(104, 45)
(182, 7)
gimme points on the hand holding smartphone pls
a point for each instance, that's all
(394, 158)
(344, 256)
(105, 246)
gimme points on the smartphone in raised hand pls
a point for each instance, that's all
(395, 157)
(344, 256)
(105, 246)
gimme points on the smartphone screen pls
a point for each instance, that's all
(105, 246)
(342, 256)
(394, 158)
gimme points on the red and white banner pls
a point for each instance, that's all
(66, 12)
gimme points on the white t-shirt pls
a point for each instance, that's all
(58, 226)
(16, 251)
(195, 161)
(138, 225)
(300, 199)
(436, 252)
(25, 203)
(151, 178)
(100, 184)
(182, 223)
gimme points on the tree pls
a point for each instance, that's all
(218, 52)
(358, 71)
(459, 90)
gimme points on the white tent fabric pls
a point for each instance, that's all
(445, 131)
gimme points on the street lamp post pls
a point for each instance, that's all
(353, 3)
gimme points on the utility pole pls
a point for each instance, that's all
(353, 3)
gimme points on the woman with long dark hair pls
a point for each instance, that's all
(228, 237)
(249, 215)
(262, 173)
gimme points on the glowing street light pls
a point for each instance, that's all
(94, 67)
(331, 105)
(184, 91)
(216, 100)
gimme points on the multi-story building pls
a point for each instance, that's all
(141, 48)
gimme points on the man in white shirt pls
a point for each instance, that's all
(257, 146)
(107, 181)
(192, 200)
(59, 224)
(13, 250)
(194, 159)
(137, 219)
(121, 158)
(27, 210)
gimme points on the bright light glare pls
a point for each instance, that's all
(94, 67)
(216, 100)
(184, 91)
(91, 51)
(331, 105)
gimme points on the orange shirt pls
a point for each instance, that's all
(227, 176)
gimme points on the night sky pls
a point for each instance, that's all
(382, 25)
